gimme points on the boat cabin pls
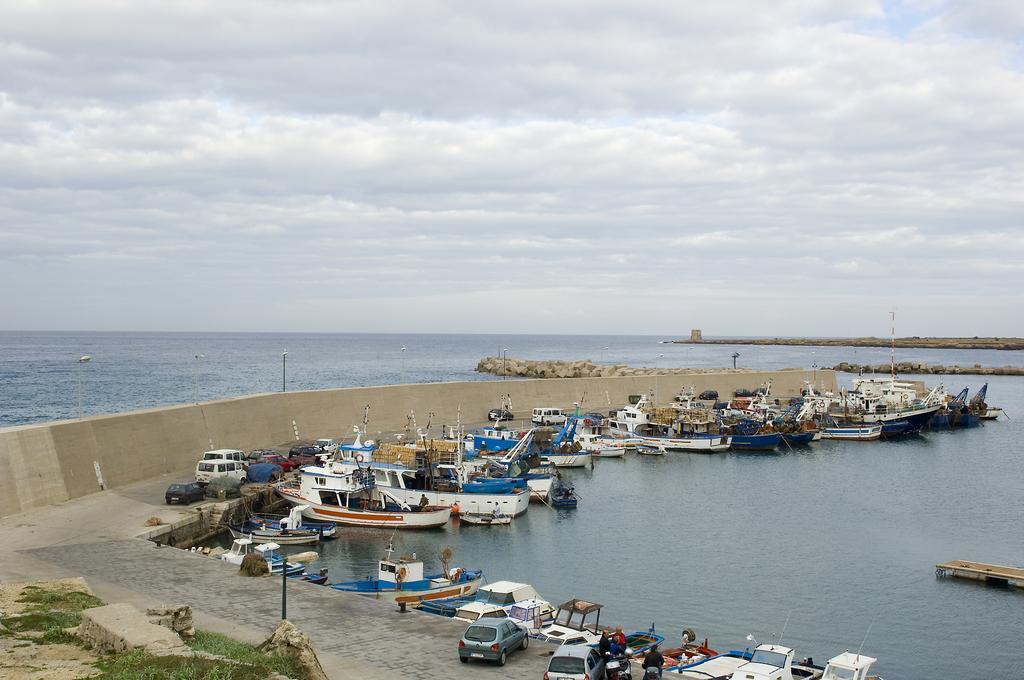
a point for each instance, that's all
(768, 662)
(576, 623)
(400, 570)
(848, 666)
(240, 547)
(505, 593)
(533, 613)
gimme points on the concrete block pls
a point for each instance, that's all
(120, 627)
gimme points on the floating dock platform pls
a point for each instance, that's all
(993, 574)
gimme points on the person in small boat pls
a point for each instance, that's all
(423, 501)
(653, 659)
(455, 508)
(496, 513)
(618, 641)
(604, 645)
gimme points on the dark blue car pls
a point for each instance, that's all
(186, 492)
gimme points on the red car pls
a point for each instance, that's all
(286, 463)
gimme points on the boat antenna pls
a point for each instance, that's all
(784, 626)
(866, 633)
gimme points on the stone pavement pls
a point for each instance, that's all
(359, 636)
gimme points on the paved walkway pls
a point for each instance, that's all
(94, 537)
(365, 635)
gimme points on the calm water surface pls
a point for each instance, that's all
(842, 536)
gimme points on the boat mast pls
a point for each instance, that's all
(892, 348)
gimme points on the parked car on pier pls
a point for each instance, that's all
(742, 393)
(256, 454)
(186, 492)
(708, 395)
(305, 451)
(499, 414)
(492, 640)
(225, 454)
(575, 662)
(208, 470)
(548, 416)
(326, 445)
(287, 464)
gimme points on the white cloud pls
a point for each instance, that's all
(265, 166)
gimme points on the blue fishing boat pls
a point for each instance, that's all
(564, 497)
(799, 438)
(402, 580)
(746, 435)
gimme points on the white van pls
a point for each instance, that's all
(207, 470)
(326, 445)
(548, 416)
(225, 454)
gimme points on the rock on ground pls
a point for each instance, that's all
(287, 639)
(120, 627)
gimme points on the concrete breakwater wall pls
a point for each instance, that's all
(905, 367)
(50, 463)
(584, 368)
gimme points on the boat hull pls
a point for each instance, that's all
(485, 520)
(865, 433)
(411, 594)
(425, 519)
(756, 442)
(569, 460)
(800, 438)
(513, 504)
(709, 444)
(271, 536)
(991, 413)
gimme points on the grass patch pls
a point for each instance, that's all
(136, 665)
(69, 601)
(40, 622)
(222, 645)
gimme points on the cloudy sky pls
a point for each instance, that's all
(747, 167)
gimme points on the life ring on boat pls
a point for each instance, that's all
(359, 458)
(400, 576)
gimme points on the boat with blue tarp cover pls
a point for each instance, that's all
(402, 580)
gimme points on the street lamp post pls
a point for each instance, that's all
(195, 378)
(504, 363)
(81, 361)
(402, 376)
(603, 350)
(814, 367)
(735, 356)
(284, 372)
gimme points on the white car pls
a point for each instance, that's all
(208, 470)
(327, 445)
(548, 416)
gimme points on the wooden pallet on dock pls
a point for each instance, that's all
(994, 574)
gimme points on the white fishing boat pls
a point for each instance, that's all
(766, 662)
(600, 446)
(991, 413)
(402, 580)
(575, 623)
(348, 496)
(698, 443)
(568, 459)
(650, 451)
(444, 484)
(484, 518)
(286, 531)
(852, 432)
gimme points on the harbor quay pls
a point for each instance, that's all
(81, 497)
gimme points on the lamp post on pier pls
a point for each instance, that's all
(82, 360)
(603, 350)
(284, 373)
(402, 376)
(195, 377)
(504, 363)
(735, 356)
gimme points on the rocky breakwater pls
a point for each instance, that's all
(909, 367)
(585, 368)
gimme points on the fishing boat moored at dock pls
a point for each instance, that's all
(403, 581)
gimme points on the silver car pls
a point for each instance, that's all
(575, 662)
